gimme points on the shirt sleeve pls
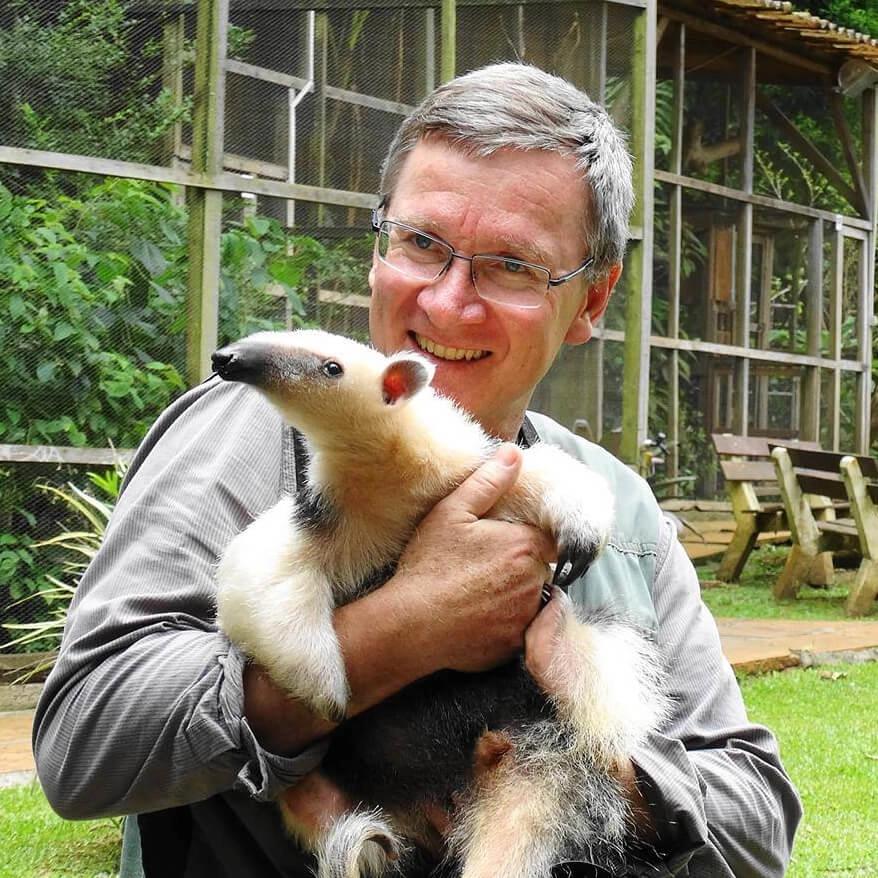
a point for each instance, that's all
(722, 802)
(144, 707)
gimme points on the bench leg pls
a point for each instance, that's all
(737, 553)
(803, 568)
(864, 590)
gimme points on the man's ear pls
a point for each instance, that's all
(404, 376)
(592, 309)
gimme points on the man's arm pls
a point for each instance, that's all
(720, 801)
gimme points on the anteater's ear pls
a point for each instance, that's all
(404, 375)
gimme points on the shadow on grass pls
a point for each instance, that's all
(751, 598)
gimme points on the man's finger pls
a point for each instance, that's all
(481, 491)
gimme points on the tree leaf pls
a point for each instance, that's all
(46, 371)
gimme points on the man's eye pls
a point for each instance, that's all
(422, 242)
(514, 267)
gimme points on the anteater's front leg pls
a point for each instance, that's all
(276, 604)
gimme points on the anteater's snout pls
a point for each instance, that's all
(240, 362)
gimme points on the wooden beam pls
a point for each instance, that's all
(778, 358)
(810, 151)
(63, 454)
(850, 222)
(448, 31)
(738, 38)
(222, 182)
(850, 151)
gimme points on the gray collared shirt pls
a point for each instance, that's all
(144, 708)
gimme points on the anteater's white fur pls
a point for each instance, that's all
(384, 449)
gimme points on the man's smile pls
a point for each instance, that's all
(443, 352)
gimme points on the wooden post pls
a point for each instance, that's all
(675, 253)
(810, 407)
(591, 391)
(448, 30)
(836, 297)
(638, 310)
(205, 205)
(744, 251)
(173, 38)
(870, 178)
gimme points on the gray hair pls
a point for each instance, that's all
(519, 106)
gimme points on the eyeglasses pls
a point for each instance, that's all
(417, 254)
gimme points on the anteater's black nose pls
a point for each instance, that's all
(223, 362)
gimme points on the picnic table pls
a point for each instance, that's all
(757, 505)
(844, 518)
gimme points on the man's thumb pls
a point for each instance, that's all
(481, 491)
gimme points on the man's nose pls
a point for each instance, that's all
(453, 298)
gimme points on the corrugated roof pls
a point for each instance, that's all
(794, 46)
(819, 33)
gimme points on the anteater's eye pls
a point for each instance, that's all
(332, 369)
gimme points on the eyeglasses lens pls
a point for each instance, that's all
(419, 255)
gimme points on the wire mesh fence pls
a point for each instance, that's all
(95, 240)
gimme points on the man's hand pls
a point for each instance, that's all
(473, 584)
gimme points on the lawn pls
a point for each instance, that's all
(825, 722)
(36, 843)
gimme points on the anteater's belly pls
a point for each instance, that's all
(418, 745)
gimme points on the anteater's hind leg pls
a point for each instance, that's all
(540, 804)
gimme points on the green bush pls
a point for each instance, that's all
(90, 293)
(78, 84)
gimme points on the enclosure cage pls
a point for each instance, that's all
(176, 175)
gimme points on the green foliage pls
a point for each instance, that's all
(87, 513)
(861, 15)
(90, 293)
(92, 328)
(73, 83)
(262, 265)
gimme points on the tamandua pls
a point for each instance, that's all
(384, 449)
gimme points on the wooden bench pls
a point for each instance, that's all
(847, 520)
(751, 483)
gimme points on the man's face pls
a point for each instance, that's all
(527, 205)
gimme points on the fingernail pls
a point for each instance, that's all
(506, 455)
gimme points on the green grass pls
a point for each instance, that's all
(36, 843)
(752, 597)
(825, 721)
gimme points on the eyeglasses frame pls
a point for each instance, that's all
(377, 222)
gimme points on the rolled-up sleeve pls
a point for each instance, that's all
(144, 707)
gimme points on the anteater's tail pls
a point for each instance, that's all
(360, 844)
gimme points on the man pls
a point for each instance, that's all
(516, 189)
